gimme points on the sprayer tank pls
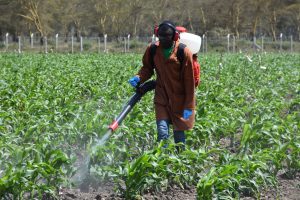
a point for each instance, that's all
(192, 41)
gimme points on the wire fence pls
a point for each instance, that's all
(127, 44)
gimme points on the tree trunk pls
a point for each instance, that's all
(203, 20)
(273, 21)
(254, 25)
(190, 21)
(102, 24)
(135, 26)
(237, 21)
(298, 30)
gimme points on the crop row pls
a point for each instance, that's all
(53, 107)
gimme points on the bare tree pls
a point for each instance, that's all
(102, 10)
(159, 10)
(271, 11)
(235, 12)
(291, 14)
(78, 16)
(256, 11)
(118, 17)
(137, 17)
(32, 14)
(136, 9)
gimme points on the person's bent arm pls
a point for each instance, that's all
(147, 69)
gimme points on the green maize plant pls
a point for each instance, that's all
(233, 178)
(54, 107)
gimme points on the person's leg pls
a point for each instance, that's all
(179, 137)
(162, 129)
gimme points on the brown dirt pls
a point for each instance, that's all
(288, 189)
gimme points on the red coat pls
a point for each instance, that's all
(175, 90)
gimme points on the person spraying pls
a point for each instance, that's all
(174, 97)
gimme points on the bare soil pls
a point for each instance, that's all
(288, 189)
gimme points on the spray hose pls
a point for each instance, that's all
(141, 90)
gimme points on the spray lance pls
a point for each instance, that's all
(83, 171)
(141, 90)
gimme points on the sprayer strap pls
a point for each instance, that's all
(180, 53)
(153, 48)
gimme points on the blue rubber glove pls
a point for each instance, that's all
(187, 113)
(134, 81)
